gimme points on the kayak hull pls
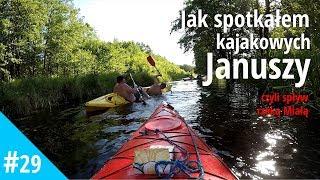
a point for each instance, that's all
(168, 127)
(104, 102)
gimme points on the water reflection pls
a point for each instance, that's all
(254, 147)
(265, 162)
(267, 167)
(277, 142)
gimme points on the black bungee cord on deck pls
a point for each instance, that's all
(201, 174)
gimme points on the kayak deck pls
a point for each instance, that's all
(173, 131)
(107, 101)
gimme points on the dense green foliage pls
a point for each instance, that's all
(312, 9)
(49, 57)
(22, 96)
(187, 67)
(202, 40)
(48, 38)
(41, 37)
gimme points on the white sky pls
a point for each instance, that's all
(147, 21)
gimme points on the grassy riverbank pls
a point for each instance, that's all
(55, 59)
(25, 96)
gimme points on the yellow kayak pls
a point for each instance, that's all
(107, 101)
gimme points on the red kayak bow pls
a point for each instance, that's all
(192, 157)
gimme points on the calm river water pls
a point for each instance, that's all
(225, 116)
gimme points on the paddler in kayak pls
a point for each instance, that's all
(124, 90)
(156, 88)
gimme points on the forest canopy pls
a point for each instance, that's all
(49, 38)
(202, 40)
(50, 57)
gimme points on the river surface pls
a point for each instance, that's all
(253, 147)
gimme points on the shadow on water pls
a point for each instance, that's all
(225, 116)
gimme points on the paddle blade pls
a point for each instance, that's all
(151, 61)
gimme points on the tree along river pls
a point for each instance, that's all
(253, 147)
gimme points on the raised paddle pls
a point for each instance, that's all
(153, 63)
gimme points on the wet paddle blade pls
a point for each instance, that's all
(151, 61)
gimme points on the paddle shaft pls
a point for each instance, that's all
(134, 83)
(157, 70)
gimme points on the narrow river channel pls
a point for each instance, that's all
(225, 117)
